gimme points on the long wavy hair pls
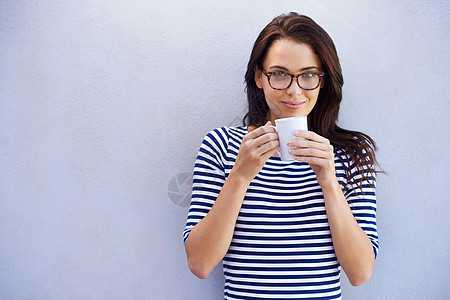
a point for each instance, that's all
(323, 117)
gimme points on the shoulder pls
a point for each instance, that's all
(344, 156)
(355, 164)
(355, 148)
(220, 140)
(226, 133)
(356, 159)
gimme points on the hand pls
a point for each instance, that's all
(256, 148)
(317, 152)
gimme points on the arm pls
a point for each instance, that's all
(352, 246)
(209, 240)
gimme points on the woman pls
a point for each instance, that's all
(284, 228)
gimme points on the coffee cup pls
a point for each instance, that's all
(285, 128)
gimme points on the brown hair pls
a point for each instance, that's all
(323, 117)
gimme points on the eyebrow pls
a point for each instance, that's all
(285, 69)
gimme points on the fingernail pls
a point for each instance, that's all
(289, 142)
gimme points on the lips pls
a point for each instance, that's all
(293, 105)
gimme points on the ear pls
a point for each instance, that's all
(258, 78)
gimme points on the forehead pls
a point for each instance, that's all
(291, 55)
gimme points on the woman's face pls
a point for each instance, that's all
(291, 57)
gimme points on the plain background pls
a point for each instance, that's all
(103, 105)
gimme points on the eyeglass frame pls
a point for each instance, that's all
(293, 76)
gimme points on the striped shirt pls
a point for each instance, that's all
(282, 246)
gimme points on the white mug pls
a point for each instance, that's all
(285, 129)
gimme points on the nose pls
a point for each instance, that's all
(294, 88)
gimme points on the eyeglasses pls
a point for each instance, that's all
(307, 81)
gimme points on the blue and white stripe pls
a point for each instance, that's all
(282, 246)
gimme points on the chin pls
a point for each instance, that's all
(296, 114)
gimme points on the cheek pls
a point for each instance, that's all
(312, 100)
(313, 95)
(271, 96)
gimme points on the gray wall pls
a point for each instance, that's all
(104, 105)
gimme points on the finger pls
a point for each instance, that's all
(260, 144)
(302, 143)
(310, 135)
(260, 131)
(312, 152)
(268, 146)
(314, 161)
(266, 155)
(264, 138)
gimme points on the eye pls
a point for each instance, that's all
(309, 76)
(280, 75)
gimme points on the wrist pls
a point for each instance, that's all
(331, 184)
(239, 177)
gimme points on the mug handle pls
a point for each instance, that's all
(274, 127)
